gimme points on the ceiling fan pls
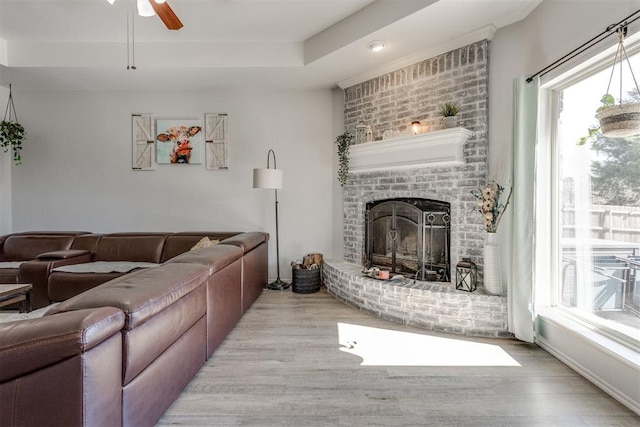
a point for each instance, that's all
(160, 8)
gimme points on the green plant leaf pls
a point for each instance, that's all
(12, 134)
(607, 100)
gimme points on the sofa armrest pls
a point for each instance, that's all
(62, 254)
(29, 345)
(247, 241)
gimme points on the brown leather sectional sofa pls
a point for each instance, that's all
(40, 253)
(121, 352)
(17, 248)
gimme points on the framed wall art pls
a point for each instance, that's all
(179, 141)
(142, 142)
(216, 150)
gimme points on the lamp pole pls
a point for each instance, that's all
(278, 284)
(271, 178)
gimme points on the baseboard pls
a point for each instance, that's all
(599, 365)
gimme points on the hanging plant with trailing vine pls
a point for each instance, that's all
(343, 142)
(12, 133)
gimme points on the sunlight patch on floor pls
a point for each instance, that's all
(383, 347)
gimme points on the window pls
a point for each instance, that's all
(595, 207)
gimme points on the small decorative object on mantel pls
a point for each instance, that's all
(12, 133)
(343, 142)
(622, 120)
(466, 275)
(307, 274)
(361, 133)
(368, 134)
(416, 127)
(449, 111)
(489, 206)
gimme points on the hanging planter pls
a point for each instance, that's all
(619, 120)
(12, 133)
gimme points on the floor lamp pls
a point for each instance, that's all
(271, 178)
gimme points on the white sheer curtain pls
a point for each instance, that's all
(520, 295)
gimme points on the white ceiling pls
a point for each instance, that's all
(82, 44)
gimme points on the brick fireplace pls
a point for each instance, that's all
(392, 102)
(441, 165)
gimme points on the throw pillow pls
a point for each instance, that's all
(205, 242)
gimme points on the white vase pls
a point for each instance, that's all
(492, 275)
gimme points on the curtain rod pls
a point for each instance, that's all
(611, 29)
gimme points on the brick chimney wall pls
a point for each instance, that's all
(391, 102)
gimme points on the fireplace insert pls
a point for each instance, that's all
(409, 236)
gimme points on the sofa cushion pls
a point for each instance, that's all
(13, 265)
(87, 242)
(61, 286)
(105, 267)
(141, 294)
(160, 304)
(130, 247)
(215, 257)
(179, 243)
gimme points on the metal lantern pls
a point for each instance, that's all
(361, 130)
(466, 275)
(368, 133)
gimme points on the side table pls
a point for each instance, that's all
(19, 293)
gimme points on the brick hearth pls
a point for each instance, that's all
(430, 305)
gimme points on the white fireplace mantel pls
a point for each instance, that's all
(437, 148)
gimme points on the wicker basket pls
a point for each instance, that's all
(306, 281)
(620, 121)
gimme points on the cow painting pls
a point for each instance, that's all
(180, 136)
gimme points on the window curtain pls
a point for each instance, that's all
(520, 295)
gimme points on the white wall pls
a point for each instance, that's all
(76, 171)
(338, 195)
(554, 29)
(5, 175)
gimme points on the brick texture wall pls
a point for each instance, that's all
(391, 102)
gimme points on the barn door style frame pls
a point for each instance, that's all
(216, 147)
(142, 142)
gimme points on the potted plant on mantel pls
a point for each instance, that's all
(449, 111)
(12, 133)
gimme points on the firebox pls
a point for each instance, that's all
(409, 236)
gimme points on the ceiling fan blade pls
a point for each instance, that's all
(167, 15)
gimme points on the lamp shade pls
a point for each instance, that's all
(268, 178)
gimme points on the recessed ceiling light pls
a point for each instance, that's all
(377, 45)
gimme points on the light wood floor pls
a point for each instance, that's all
(289, 362)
